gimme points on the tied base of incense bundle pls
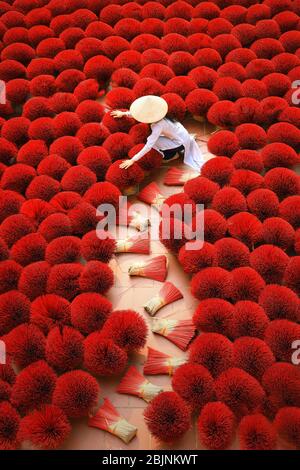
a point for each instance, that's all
(156, 268)
(133, 219)
(108, 419)
(178, 177)
(134, 383)
(151, 195)
(160, 363)
(138, 221)
(179, 332)
(137, 244)
(167, 294)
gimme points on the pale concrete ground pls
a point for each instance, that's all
(133, 292)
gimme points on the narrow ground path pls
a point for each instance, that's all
(133, 292)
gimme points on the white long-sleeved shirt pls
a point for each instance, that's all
(167, 134)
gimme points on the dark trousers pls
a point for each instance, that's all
(170, 153)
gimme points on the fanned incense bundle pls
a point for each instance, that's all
(138, 221)
(137, 244)
(178, 177)
(155, 268)
(167, 294)
(108, 419)
(179, 332)
(134, 219)
(134, 383)
(160, 363)
(151, 195)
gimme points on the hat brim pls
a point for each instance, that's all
(149, 109)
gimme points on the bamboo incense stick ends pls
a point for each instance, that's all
(139, 244)
(134, 383)
(153, 305)
(133, 218)
(155, 268)
(138, 221)
(179, 332)
(160, 363)
(167, 294)
(108, 419)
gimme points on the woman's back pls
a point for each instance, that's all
(170, 128)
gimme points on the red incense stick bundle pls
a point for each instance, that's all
(167, 294)
(133, 219)
(179, 332)
(108, 419)
(178, 177)
(155, 268)
(137, 244)
(151, 195)
(138, 221)
(160, 363)
(134, 383)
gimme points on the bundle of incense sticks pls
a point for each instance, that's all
(151, 195)
(160, 363)
(134, 383)
(108, 419)
(135, 244)
(167, 294)
(178, 177)
(132, 219)
(179, 332)
(138, 221)
(156, 268)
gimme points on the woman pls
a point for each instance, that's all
(168, 136)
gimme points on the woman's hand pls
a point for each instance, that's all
(126, 164)
(117, 113)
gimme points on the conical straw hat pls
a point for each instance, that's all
(149, 109)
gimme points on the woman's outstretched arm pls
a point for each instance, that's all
(116, 113)
(152, 139)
